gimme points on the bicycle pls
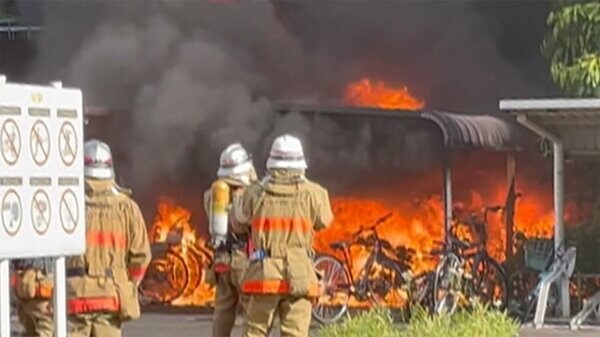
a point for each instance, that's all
(378, 276)
(465, 270)
(173, 272)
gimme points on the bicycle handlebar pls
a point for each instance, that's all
(495, 208)
(374, 238)
(492, 209)
(376, 224)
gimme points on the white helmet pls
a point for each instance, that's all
(235, 162)
(98, 162)
(286, 153)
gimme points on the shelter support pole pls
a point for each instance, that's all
(509, 212)
(559, 231)
(559, 200)
(558, 169)
(447, 197)
(60, 298)
(4, 298)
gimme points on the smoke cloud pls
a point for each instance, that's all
(193, 76)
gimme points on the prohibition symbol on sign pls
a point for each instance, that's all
(40, 212)
(39, 143)
(10, 137)
(67, 143)
(69, 211)
(12, 212)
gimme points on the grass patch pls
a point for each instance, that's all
(373, 323)
(479, 322)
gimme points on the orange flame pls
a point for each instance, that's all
(418, 225)
(378, 94)
(169, 218)
(409, 226)
(413, 224)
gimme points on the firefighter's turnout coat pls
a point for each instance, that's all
(107, 277)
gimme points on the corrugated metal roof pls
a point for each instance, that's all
(576, 122)
(475, 131)
(460, 131)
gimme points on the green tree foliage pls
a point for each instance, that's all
(586, 237)
(2, 8)
(573, 46)
(8, 9)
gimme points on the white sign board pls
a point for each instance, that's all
(41, 171)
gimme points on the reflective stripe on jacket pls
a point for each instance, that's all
(275, 287)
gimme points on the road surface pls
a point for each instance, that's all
(187, 325)
(199, 325)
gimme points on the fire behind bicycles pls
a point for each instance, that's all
(464, 270)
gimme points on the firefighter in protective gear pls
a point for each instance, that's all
(33, 289)
(102, 284)
(282, 213)
(235, 173)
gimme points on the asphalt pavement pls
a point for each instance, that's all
(199, 325)
(189, 325)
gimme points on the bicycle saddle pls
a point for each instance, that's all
(444, 248)
(447, 248)
(385, 244)
(339, 245)
(460, 243)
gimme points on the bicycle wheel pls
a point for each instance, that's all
(193, 263)
(166, 279)
(520, 284)
(490, 283)
(333, 302)
(422, 293)
(179, 274)
(446, 285)
(388, 290)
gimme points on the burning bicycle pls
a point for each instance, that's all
(385, 273)
(177, 270)
(466, 271)
(173, 274)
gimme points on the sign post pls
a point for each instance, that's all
(41, 185)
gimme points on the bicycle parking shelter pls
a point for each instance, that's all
(459, 132)
(573, 128)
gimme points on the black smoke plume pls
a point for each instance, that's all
(192, 76)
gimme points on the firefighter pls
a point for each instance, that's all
(33, 290)
(102, 285)
(282, 213)
(235, 173)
